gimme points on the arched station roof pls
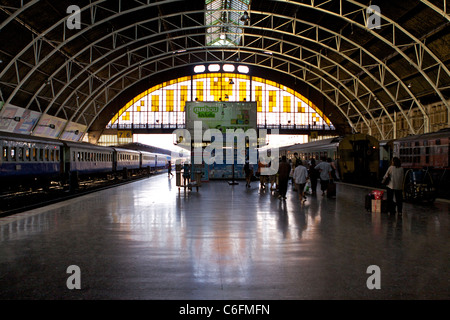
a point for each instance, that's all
(357, 65)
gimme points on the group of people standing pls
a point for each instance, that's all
(303, 171)
(299, 173)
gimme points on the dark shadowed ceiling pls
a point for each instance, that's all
(329, 51)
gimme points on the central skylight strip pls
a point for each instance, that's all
(224, 20)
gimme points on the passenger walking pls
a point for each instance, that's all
(284, 169)
(394, 179)
(300, 177)
(262, 178)
(169, 169)
(248, 173)
(324, 168)
(313, 176)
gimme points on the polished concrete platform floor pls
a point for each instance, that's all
(147, 240)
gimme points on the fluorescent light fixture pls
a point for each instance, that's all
(228, 68)
(213, 67)
(199, 69)
(243, 69)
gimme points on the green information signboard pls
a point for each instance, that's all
(221, 115)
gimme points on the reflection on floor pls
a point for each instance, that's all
(147, 240)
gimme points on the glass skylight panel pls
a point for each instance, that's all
(224, 20)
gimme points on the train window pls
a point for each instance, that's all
(438, 142)
(5, 154)
(13, 154)
(20, 154)
(27, 154)
(34, 154)
(46, 155)
(52, 155)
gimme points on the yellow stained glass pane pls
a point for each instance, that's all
(286, 104)
(155, 103)
(242, 90)
(169, 100)
(199, 94)
(183, 97)
(272, 100)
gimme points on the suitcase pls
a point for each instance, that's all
(331, 190)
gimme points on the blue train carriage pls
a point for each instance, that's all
(126, 161)
(162, 161)
(148, 161)
(29, 161)
(87, 160)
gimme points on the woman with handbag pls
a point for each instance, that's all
(393, 179)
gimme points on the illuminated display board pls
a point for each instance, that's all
(221, 115)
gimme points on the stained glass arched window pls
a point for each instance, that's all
(162, 106)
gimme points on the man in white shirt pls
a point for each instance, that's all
(300, 177)
(324, 168)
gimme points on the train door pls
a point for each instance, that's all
(361, 158)
(65, 161)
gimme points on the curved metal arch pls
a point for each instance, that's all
(437, 9)
(386, 68)
(328, 47)
(35, 40)
(405, 87)
(164, 55)
(336, 89)
(17, 13)
(416, 41)
(141, 39)
(57, 49)
(305, 38)
(250, 64)
(347, 58)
